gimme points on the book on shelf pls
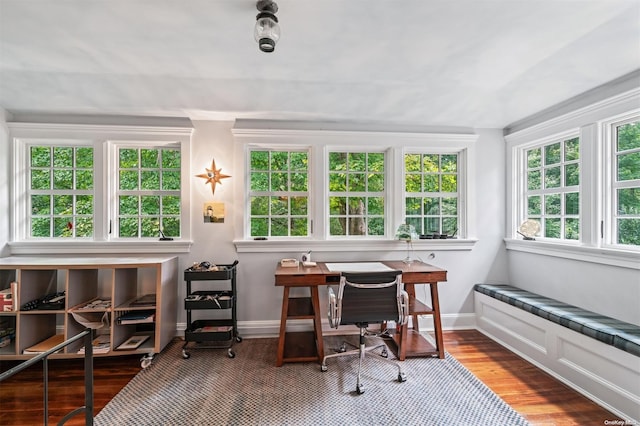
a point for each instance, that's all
(146, 300)
(44, 345)
(137, 317)
(9, 298)
(133, 342)
(101, 344)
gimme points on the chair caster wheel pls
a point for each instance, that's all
(231, 353)
(323, 368)
(360, 390)
(238, 339)
(402, 377)
(385, 353)
(185, 354)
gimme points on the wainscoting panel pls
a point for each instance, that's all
(606, 375)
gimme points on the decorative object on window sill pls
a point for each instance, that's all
(213, 176)
(407, 233)
(267, 30)
(529, 229)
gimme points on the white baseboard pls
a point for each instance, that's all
(260, 329)
(603, 373)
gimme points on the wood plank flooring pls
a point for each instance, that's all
(540, 398)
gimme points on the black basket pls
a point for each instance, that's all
(224, 272)
(209, 330)
(209, 300)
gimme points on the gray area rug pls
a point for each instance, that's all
(211, 389)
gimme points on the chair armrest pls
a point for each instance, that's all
(334, 311)
(404, 308)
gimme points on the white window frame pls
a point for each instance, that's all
(609, 180)
(589, 122)
(385, 193)
(114, 192)
(463, 183)
(520, 176)
(24, 167)
(103, 139)
(249, 133)
(256, 147)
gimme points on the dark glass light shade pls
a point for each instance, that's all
(267, 31)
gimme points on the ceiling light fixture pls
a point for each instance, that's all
(267, 30)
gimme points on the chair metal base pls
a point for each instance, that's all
(361, 350)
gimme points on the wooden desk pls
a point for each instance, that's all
(308, 345)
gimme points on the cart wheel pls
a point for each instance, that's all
(359, 389)
(231, 353)
(185, 354)
(385, 353)
(238, 339)
(146, 360)
(402, 377)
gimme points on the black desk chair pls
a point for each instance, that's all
(368, 298)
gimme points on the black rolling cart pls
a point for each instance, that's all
(211, 333)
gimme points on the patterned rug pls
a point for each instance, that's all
(210, 388)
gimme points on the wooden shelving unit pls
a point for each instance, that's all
(121, 280)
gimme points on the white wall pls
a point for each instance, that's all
(259, 301)
(608, 290)
(5, 174)
(597, 284)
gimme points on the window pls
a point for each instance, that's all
(60, 193)
(148, 192)
(431, 193)
(343, 190)
(356, 194)
(278, 193)
(99, 187)
(579, 175)
(625, 187)
(553, 188)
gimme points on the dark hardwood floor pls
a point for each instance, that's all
(541, 399)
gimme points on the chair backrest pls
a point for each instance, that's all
(370, 297)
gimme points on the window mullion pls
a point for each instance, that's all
(590, 199)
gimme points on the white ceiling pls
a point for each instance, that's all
(471, 63)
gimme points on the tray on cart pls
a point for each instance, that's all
(210, 330)
(209, 300)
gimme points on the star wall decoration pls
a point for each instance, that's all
(213, 176)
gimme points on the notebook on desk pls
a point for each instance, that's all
(357, 267)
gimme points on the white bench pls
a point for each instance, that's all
(597, 355)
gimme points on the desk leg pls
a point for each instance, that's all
(404, 330)
(437, 324)
(317, 322)
(283, 327)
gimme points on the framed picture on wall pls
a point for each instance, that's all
(213, 212)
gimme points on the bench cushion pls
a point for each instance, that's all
(608, 330)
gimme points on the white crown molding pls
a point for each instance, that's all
(257, 135)
(129, 130)
(619, 104)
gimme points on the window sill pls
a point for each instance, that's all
(274, 246)
(606, 256)
(99, 247)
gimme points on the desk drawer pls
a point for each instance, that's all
(301, 280)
